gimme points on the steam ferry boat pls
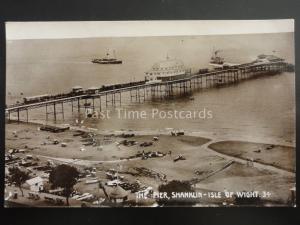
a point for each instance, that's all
(218, 62)
(108, 59)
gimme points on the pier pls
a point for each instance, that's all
(142, 91)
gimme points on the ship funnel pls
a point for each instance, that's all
(168, 56)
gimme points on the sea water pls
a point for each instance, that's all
(263, 107)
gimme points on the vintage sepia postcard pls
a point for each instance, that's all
(150, 114)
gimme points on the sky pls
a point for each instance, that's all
(86, 29)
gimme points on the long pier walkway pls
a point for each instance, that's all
(142, 91)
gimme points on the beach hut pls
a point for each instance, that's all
(35, 184)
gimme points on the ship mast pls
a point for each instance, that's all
(107, 54)
(168, 56)
(216, 52)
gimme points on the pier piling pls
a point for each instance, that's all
(163, 90)
(54, 111)
(62, 110)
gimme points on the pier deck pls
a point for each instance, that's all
(162, 90)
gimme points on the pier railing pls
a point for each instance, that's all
(142, 91)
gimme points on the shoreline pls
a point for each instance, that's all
(200, 159)
(200, 134)
(260, 150)
(204, 134)
(212, 141)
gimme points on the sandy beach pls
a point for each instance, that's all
(268, 154)
(206, 159)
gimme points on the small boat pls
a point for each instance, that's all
(91, 181)
(114, 182)
(85, 197)
(180, 157)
